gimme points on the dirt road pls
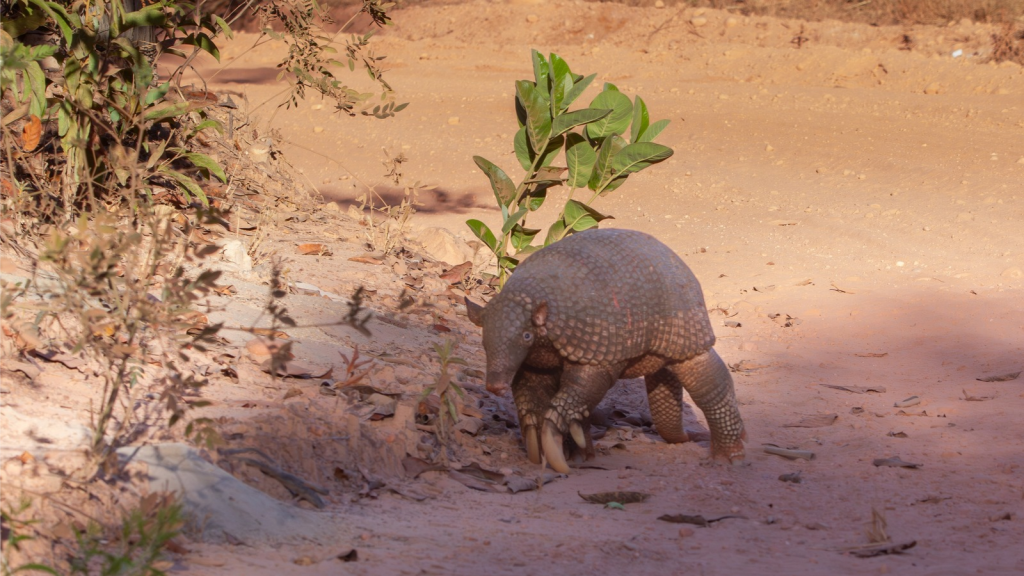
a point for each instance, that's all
(852, 202)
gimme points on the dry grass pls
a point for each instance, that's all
(881, 12)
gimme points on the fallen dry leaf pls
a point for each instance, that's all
(1001, 377)
(620, 497)
(835, 288)
(855, 389)
(458, 273)
(814, 421)
(366, 260)
(314, 249)
(872, 355)
(791, 453)
(31, 133)
(276, 334)
(894, 462)
(696, 520)
(882, 550)
(908, 402)
(793, 477)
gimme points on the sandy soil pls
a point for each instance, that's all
(857, 209)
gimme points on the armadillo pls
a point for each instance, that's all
(598, 306)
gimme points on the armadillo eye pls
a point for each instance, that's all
(527, 336)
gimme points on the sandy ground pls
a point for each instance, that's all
(858, 210)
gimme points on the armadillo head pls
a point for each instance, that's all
(511, 326)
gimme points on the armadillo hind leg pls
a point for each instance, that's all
(709, 383)
(582, 388)
(532, 392)
(665, 397)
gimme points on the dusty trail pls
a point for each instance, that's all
(872, 197)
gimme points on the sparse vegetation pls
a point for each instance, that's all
(598, 158)
(882, 12)
(448, 392)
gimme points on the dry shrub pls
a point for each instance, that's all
(1008, 44)
(882, 12)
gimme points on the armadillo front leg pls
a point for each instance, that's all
(532, 391)
(582, 388)
(709, 383)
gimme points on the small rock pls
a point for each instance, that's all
(768, 148)
(698, 21)
(659, 4)
(318, 129)
(532, 18)
(731, 22)
(1013, 272)
(686, 532)
(933, 88)
(453, 120)
(234, 254)
(331, 206)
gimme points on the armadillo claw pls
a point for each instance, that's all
(576, 430)
(551, 441)
(731, 454)
(532, 439)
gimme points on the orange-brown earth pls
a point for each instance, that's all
(855, 208)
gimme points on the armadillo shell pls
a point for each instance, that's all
(615, 295)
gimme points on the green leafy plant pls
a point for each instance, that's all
(598, 157)
(446, 390)
(106, 100)
(134, 547)
(312, 56)
(19, 533)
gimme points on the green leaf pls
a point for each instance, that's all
(522, 148)
(540, 70)
(522, 237)
(603, 166)
(580, 216)
(224, 26)
(37, 99)
(617, 121)
(508, 263)
(577, 89)
(170, 110)
(554, 147)
(186, 184)
(206, 163)
(561, 82)
(501, 184)
(570, 120)
(535, 199)
(641, 120)
(204, 42)
(555, 232)
(481, 231)
(608, 86)
(580, 157)
(653, 131)
(512, 220)
(61, 17)
(154, 94)
(148, 16)
(538, 116)
(636, 157)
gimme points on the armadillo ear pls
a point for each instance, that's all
(475, 312)
(540, 314)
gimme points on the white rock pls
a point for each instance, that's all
(234, 254)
